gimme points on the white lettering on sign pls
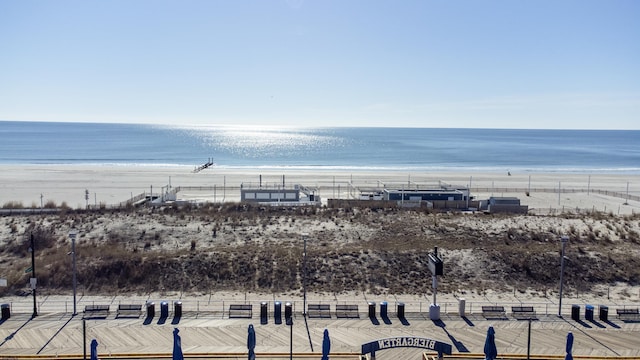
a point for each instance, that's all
(407, 341)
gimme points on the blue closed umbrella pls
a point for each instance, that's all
(326, 345)
(251, 342)
(490, 351)
(569, 346)
(94, 349)
(177, 346)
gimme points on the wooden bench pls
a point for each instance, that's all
(628, 314)
(96, 311)
(347, 311)
(129, 310)
(523, 312)
(494, 312)
(322, 311)
(244, 311)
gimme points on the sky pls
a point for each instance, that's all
(449, 63)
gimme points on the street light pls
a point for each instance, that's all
(304, 274)
(289, 322)
(564, 240)
(72, 235)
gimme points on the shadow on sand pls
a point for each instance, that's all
(458, 344)
(15, 332)
(468, 321)
(612, 324)
(385, 319)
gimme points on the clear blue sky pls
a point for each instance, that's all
(446, 63)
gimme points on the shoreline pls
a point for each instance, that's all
(35, 185)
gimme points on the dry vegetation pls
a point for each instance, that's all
(250, 248)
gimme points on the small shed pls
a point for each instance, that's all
(424, 195)
(280, 195)
(507, 204)
(270, 195)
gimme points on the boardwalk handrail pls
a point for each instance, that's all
(218, 308)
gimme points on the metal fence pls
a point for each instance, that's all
(220, 308)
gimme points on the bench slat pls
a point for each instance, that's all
(241, 311)
(129, 310)
(627, 311)
(523, 312)
(322, 311)
(522, 309)
(95, 311)
(494, 312)
(347, 311)
(628, 314)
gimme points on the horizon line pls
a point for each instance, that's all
(223, 125)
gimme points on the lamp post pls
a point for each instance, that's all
(435, 265)
(564, 240)
(529, 341)
(290, 323)
(33, 279)
(304, 274)
(72, 235)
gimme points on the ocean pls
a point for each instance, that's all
(406, 149)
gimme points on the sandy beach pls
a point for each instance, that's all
(35, 185)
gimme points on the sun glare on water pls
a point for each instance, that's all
(263, 141)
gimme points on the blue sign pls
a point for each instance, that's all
(405, 341)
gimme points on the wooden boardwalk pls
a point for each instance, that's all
(59, 334)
